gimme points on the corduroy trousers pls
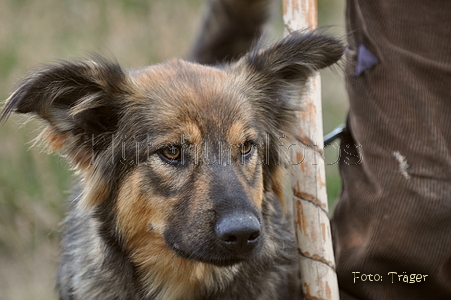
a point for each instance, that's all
(392, 223)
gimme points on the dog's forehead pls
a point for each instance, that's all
(175, 79)
(194, 99)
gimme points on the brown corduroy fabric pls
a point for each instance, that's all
(394, 213)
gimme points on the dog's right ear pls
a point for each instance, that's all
(78, 100)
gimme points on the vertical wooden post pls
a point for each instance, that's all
(310, 209)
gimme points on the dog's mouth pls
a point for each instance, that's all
(216, 259)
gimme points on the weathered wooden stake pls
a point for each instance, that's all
(310, 209)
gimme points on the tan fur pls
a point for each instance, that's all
(277, 187)
(253, 170)
(53, 140)
(95, 191)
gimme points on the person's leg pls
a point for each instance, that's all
(394, 214)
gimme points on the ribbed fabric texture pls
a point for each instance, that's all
(394, 213)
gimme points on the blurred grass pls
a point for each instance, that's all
(33, 185)
(334, 97)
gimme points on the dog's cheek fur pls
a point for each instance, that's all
(190, 224)
(252, 180)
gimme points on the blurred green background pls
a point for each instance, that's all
(34, 185)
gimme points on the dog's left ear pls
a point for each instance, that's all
(294, 58)
(275, 76)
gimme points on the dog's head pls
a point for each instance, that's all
(178, 157)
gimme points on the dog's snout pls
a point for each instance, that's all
(239, 232)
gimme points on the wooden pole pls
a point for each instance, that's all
(309, 201)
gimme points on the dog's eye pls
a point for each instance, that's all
(246, 148)
(171, 154)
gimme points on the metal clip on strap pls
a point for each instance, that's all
(332, 136)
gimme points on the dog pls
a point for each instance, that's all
(180, 190)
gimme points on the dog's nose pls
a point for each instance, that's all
(239, 232)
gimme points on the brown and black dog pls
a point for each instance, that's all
(180, 188)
